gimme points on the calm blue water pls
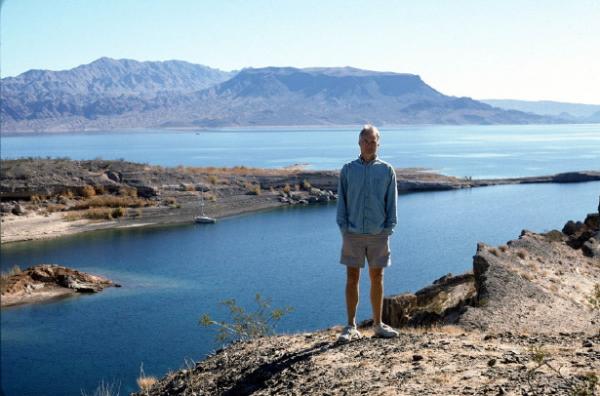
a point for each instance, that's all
(172, 275)
(474, 150)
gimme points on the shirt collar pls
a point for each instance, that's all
(360, 159)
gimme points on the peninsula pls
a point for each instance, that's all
(47, 198)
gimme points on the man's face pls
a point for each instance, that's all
(368, 144)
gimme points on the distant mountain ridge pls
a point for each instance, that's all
(110, 94)
(570, 111)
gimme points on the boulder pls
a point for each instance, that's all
(19, 210)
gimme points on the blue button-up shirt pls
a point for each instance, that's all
(367, 196)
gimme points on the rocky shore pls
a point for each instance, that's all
(522, 322)
(46, 282)
(46, 198)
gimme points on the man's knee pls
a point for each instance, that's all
(376, 275)
(353, 275)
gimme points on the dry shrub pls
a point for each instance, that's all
(98, 214)
(503, 248)
(213, 179)
(522, 254)
(111, 201)
(95, 214)
(35, 199)
(306, 184)
(14, 270)
(286, 188)
(88, 191)
(236, 170)
(118, 212)
(51, 208)
(253, 188)
(127, 191)
(145, 382)
(494, 251)
(211, 196)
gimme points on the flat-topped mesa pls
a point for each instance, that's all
(47, 281)
(528, 285)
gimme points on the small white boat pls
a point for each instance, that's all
(202, 218)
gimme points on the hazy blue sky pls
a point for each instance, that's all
(519, 49)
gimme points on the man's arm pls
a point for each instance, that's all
(342, 210)
(391, 198)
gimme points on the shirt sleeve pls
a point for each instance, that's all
(342, 210)
(391, 200)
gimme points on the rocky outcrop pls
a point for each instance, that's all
(439, 302)
(46, 281)
(529, 285)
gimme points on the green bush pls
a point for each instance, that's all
(247, 325)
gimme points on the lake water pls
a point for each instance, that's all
(172, 275)
(467, 150)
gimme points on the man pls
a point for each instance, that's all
(366, 215)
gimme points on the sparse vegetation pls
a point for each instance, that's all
(144, 381)
(96, 214)
(118, 212)
(286, 188)
(105, 389)
(594, 298)
(128, 192)
(522, 254)
(88, 191)
(579, 385)
(36, 199)
(246, 325)
(14, 270)
(306, 184)
(111, 201)
(253, 188)
(51, 208)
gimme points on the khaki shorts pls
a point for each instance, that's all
(357, 247)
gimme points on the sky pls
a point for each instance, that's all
(517, 49)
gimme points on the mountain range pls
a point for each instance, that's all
(573, 112)
(117, 94)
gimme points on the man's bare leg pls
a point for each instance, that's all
(352, 278)
(376, 275)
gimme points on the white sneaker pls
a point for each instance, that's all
(349, 333)
(385, 331)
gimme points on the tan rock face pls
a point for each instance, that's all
(46, 281)
(539, 283)
(438, 302)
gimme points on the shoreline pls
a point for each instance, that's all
(191, 128)
(53, 189)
